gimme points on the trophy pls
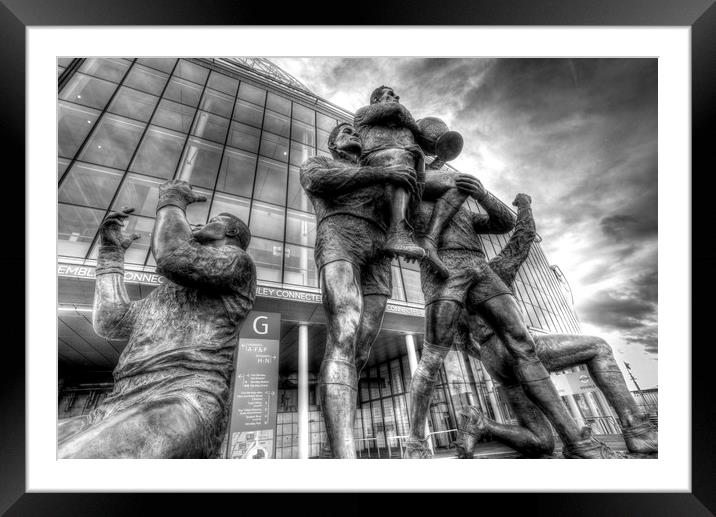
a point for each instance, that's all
(436, 138)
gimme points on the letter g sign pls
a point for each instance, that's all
(262, 327)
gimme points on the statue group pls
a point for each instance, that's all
(382, 194)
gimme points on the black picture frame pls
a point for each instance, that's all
(699, 15)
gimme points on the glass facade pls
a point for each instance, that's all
(127, 125)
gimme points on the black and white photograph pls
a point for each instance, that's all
(357, 258)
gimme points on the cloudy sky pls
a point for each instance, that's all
(578, 135)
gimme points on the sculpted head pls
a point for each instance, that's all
(224, 229)
(383, 94)
(344, 139)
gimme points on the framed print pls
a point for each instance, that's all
(587, 111)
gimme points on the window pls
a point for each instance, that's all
(300, 153)
(163, 64)
(183, 92)
(270, 182)
(277, 123)
(268, 258)
(267, 220)
(111, 69)
(88, 91)
(322, 137)
(325, 123)
(140, 193)
(252, 94)
(73, 124)
(191, 72)
(217, 102)
(234, 205)
(76, 228)
(174, 116)
(303, 133)
(398, 290)
(411, 282)
(274, 146)
(146, 79)
(113, 142)
(304, 114)
(133, 103)
(301, 228)
(244, 137)
(223, 83)
(237, 172)
(211, 127)
(300, 267)
(278, 104)
(159, 152)
(296, 195)
(248, 113)
(89, 185)
(62, 164)
(200, 163)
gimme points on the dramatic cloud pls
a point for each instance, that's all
(578, 135)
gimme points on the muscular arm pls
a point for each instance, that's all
(385, 113)
(498, 219)
(322, 176)
(512, 256)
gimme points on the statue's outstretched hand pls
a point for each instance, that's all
(522, 201)
(471, 185)
(177, 193)
(111, 234)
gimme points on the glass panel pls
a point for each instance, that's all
(248, 113)
(76, 228)
(137, 252)
(89, 185)
(300, 153)
(211, 127)
(277, 123)
(159, 152)
(218, 103)
(301, 228)
(244, 137)
(325, 122)
(174, 116)
(60, 69)
(61, 167)
(267, 257)
(304, 114)
(133, 103)
(267, 220)
(111, 69)
(270, 182)
(322, 137)
(304, 133)
(296, 195)
(146, 79)
(279, 104)
(413, 290)
(252, 94)
(73, 124)
(183, 92)
(200, 163)
(398, 291)
(165, 64)
(88, 91)
(140, 193)
(223, 83)
(237, 206)
(64, 61)
(274, 146)
(237, 172)
(113, 142)
(191, 72)
(299, 267)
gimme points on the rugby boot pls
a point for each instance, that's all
(589, 448)
(432, 259)
(472, 429)
(400, 243)
(641, 437)
(416, 449)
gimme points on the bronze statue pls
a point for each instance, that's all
(352, 211)
(532, 436)
(171, 393)
(474, 285)
(391, 137)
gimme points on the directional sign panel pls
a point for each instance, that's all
(253, 408)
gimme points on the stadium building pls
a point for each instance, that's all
(238, 129)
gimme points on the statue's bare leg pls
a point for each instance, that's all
(338, 380)
(560, 351)
(502, 314)
(169, 428)
(445, 208)
(440, 319)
